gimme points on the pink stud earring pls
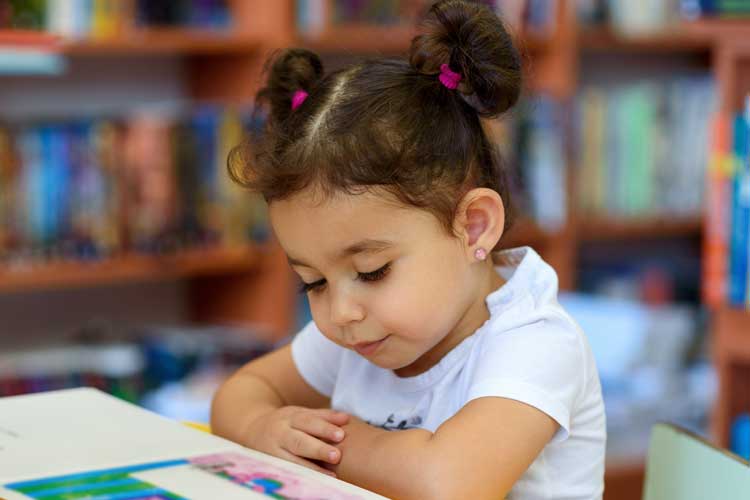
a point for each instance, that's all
(480, 253)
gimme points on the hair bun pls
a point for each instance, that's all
(473, 41)
(289, 70)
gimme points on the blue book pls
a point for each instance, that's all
(32, 188)
(205, 127)
(740, 214)
(18, 62)
(49, 171)
(745, 167)
(58, 183)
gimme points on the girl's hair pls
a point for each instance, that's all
(389, 123)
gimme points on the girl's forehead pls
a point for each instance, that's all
(339, 207)
(344, 219)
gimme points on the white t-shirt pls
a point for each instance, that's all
(529, 350)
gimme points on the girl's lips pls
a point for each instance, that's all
(367, 348)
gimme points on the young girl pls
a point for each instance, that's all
(433, 368)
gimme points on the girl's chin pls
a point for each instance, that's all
(388, 363)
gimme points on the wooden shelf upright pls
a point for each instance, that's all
(730, 327)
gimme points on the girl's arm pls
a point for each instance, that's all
(479, 453)
(261, 386)
(269, 407)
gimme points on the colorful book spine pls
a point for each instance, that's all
(738, 266)
(717, 215)
(713, 8)
(111, 18)
(314, 15)
(744, 166)
(149, 183)
(545, 164)
(638, 155)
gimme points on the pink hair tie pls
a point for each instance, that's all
(298, 98)
(449, 78)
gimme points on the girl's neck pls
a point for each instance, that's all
(474, 317)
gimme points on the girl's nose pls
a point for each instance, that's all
(345, 309)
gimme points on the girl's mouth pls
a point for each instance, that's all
(368, 348)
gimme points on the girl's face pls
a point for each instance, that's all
(382, 279)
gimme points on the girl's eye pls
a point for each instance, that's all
(311, 287)
(376, 275)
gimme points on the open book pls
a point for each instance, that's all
(83, 443)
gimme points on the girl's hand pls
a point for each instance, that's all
(300, 435)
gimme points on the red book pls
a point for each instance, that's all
(29, 39)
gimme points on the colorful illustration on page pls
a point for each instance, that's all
(104, 484)
(268, 479)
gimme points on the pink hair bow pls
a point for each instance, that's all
(449, 78)
(298, 98)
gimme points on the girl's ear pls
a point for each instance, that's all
(480, 220)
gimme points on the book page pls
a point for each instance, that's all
(61, 432)
(92, 444)
(229, 476)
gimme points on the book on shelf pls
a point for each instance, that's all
(652, 18)
(93, 188)
(717, 215)
(641, 150)
(530, 144)
(313, 16)
(727, 264)
(85, 443)
(740, 211)
(714, 8)
(99, 19)
(130, 365)
(540, 162)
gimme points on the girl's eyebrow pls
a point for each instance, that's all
(366, 245)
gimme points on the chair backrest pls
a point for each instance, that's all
(685, 467)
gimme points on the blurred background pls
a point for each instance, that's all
(129, 262)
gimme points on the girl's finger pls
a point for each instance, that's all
(291, 457)
(306, 446)
(333, 416)
(317, 426)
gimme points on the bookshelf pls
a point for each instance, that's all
(249, 283)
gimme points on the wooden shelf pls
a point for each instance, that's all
(526, 232)
(719, 30)
(605, 40)
(137, 42)
(360, 39)
(163, 41)
(28, 39)
(132, 268)
(698, 36)
(730, 349)
(364, 39)
(603, 229)
(623, 480)
(732, 335)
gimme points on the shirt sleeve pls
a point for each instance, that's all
(317, 359)
(542, 364)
